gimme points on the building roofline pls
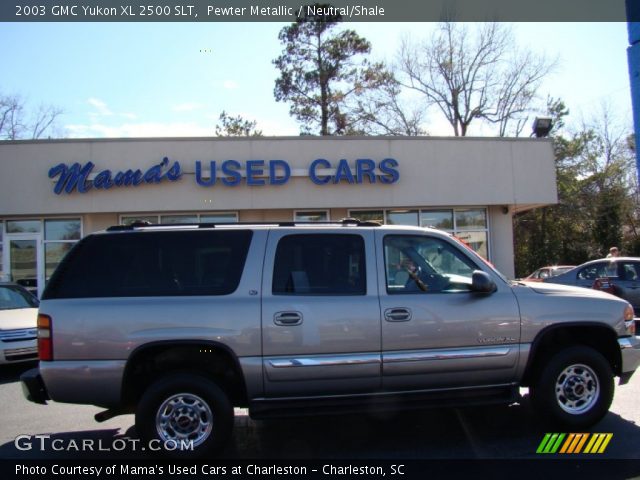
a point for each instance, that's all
(267, 138)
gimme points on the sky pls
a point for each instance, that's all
(174, 79)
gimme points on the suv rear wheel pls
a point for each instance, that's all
(575, 387)
(182, 410)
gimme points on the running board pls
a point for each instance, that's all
(261, 408)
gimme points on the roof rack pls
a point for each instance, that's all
(145, 224)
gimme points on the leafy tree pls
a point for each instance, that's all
(469, 76)
(322, 70)
(596, 205)
(16, 123)
(236, 127)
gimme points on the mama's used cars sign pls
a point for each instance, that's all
(84, 177)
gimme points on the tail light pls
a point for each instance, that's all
(45, 340)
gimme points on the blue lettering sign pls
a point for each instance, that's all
(174, 173)
(255, 169)
(312, 171)
(103, 180)
(343, 172)
(274, 179)
(230, 169)
(70, 178)
(128, 178)
(212, 174)
(388, 168)
(76, 177)
(365, 167)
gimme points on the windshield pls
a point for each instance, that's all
(13, 297)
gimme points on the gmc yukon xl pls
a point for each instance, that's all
(179, 324)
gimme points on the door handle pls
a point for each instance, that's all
(287, 319)
(397, 315)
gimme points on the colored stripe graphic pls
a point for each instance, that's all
(550, 443)
(574, 443)
(598, 443)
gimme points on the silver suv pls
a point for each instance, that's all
(179, 324)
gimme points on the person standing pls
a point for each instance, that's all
(613, 252)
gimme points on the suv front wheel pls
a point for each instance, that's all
(575, 388)
(185, 415)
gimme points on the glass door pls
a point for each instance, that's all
(25, 263)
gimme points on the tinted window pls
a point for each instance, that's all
(320, 265)
(152, 264)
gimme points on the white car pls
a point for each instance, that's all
(18, 324)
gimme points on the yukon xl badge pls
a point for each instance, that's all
(496, 340)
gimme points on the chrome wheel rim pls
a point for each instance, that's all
(577, 389)
(184, 418)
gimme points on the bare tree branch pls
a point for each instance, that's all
(16, 124)
(471, 77)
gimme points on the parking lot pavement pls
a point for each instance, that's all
(498, 432)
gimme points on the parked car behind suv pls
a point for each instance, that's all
(18, 316)
(623, 274)
(181, 323)
(543, 273)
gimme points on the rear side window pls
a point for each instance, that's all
(322, 264)
(149, 264)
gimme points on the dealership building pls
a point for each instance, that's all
(54, 192)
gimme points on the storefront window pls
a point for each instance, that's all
(311, 216)
(54, 252)
(468, 224)
(60, 234)
(24, 226)
(471, 219)
(368, 215)
(402, 217)
(173, 219)
(219, 218)
(442, 219)
(62, 229)
(139, 218)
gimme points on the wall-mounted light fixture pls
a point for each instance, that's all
(542, 126)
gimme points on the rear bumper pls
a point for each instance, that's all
(630, 354)
(33, 387)
(96, 382)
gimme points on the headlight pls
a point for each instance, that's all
(629, 323)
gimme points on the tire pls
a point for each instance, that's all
(184, 406)
(575, 388)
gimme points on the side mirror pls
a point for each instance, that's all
(481, 282)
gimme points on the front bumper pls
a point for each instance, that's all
(630, 354)
(33, 387)
(18, 351)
